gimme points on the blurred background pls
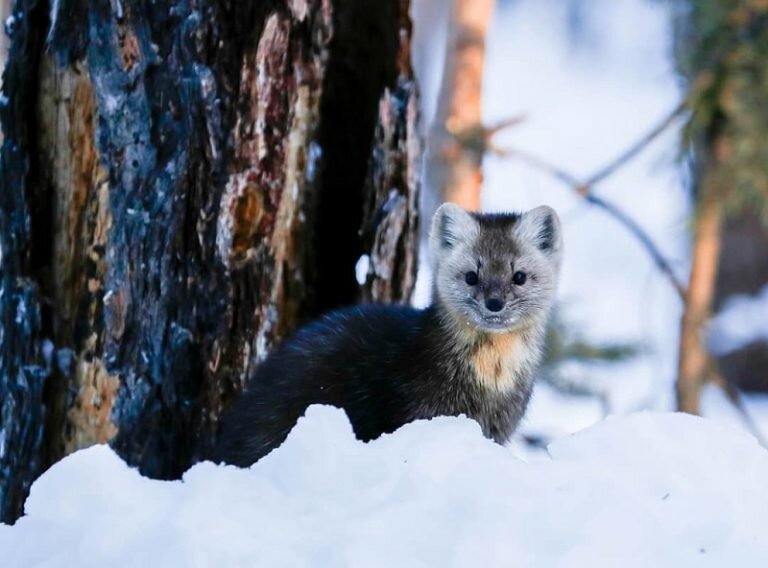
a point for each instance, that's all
(590, 80)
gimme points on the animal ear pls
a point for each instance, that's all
(542, 226)
(451, 225)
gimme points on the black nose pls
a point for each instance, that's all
(494, 304)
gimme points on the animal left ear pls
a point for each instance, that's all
(542, 226)
(450, 226)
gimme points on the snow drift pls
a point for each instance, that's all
(642, 490)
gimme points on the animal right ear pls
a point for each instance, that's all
(451, 225)
(542, 226)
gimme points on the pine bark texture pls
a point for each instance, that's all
(183, 183)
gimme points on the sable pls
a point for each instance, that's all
(472, 352)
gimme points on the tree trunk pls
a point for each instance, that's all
(182, 184)
(457, 138)
(5, 11)
(694, 358)
(721, 51)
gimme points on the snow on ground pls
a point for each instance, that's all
(639, 490)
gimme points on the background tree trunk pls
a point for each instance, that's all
(184, 182)
(694, 359)
(457, 138)
(721, 50)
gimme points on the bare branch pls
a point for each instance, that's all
(540, 164)
(638, 146)
(584, 189)
(633, 227)
(497, 127)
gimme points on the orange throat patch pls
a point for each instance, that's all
(496, 358)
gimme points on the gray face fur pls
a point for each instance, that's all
(495, 248)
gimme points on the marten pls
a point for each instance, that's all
(473, 351)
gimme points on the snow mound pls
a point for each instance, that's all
(641, 490)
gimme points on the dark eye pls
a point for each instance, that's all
(519, 278)
(471, 278)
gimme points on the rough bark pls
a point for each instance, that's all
(456, 138)
(390, 221)
(183, 182)
(5, 11)
(23, 365)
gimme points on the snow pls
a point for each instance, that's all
(362, 267)
(639, 490)
(742, 320)
(552, 414)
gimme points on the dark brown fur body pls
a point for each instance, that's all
(386, 366)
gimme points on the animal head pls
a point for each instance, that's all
(496, 272)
